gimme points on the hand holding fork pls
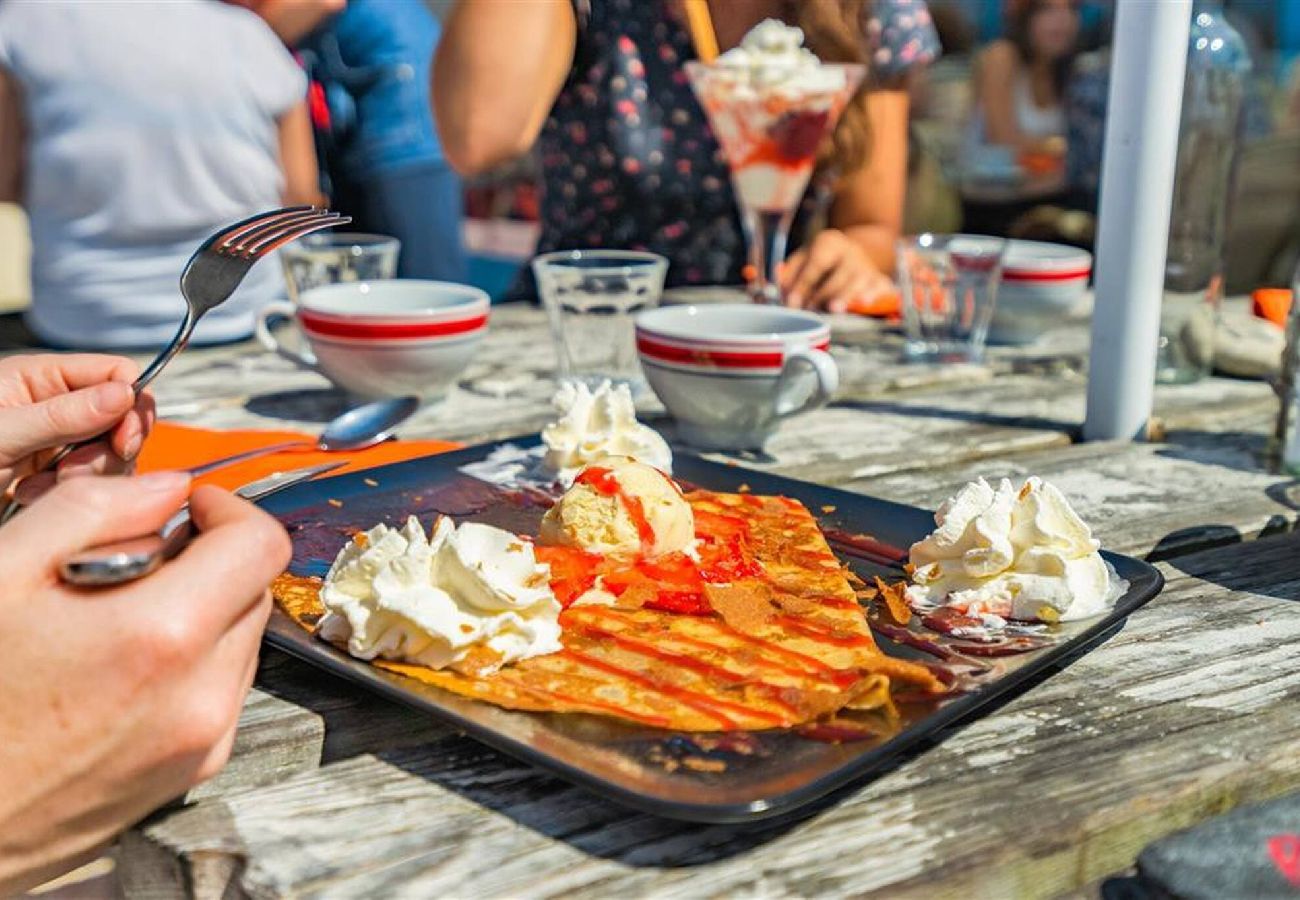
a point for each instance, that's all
(210, 278)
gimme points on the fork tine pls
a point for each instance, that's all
(251, 236)
(243, 226)
(271, 242)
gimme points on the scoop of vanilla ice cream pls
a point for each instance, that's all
(397, 594)
(597, 424)
(612, 503)
(1021, 554)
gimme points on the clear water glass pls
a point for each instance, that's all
(329, 258)
(949, 284)
(591, 297)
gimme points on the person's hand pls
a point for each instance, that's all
(830, 274)
(48, 400)
(119, 699)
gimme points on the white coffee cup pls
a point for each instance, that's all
(731, 373)
(383, 338)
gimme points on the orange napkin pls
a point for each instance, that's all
(887, 305)
(173, 446)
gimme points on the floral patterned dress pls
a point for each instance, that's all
(627, 157)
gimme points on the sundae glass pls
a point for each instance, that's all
(770, 103)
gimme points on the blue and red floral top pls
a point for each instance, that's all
(627, 157)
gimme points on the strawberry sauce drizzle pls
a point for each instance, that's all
(589, 704)
(697, 702)
(823, 634)
(803, 665)
(604, 482)
(769, 691)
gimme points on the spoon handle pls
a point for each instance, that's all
(207, 467)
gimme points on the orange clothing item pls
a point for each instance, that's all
(172, 446)
(1273, 304)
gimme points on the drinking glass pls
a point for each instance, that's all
(321, 259)
(950, 286)
(1205, 172)
(590, 297)
(770, 135)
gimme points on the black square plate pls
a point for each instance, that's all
(702, 778)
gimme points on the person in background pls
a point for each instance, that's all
(374, 119)
(1020, 80)
(119, 700)
(130, 131)
(1085, 116)
(626, 153)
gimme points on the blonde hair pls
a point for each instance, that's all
(835, 31)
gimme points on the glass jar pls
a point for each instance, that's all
(1218, 66)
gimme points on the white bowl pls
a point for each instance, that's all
(384, 338)
(1042, 286)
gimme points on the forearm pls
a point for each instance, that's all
(868, 204)
(298, 159)
(293, 20)
(498, 69)
(877, 241)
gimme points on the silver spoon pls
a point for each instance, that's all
(356, 429)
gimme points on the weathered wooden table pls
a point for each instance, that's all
(1188, 711)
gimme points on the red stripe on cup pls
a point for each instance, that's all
(1038, 275)
(717, 359)
(387, 331)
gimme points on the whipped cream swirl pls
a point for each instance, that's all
(772, 56)
(596, 425)
(397, 594)
(1013, 554)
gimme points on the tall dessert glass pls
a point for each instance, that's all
(770, 131)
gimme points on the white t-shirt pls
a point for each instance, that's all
(150, 124)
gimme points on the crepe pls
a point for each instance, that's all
(772, 635)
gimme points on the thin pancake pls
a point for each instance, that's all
(786, 641)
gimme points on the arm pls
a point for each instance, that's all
(850, 259)
(868, 203)
(498, 69)
(12, 137)
(298, 158)
(293, 20)
(995, 72)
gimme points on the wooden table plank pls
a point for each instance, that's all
(862, 437)
(1187, 712)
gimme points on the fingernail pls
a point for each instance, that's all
(111, 396)
(161, 482)
(132, 448)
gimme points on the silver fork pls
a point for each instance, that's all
(222, 261)
(211, 276)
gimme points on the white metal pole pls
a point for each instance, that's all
(1148, 59)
